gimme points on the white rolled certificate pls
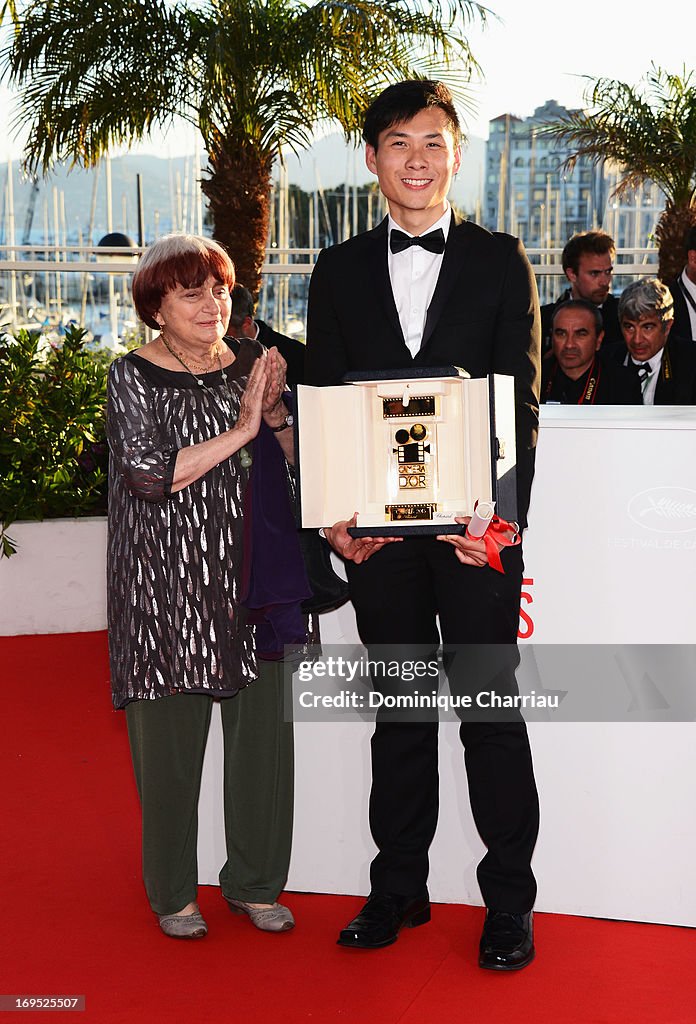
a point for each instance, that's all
(481, 519)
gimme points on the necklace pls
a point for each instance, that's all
(244, 453)
(191, 366)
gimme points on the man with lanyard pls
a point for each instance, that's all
(427, 289)
(664, 364)
(683, 291)
(575, 374)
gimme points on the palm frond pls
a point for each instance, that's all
(94, 75)
(8, 7)
(301, 65)
(253, 75)
(648, 130)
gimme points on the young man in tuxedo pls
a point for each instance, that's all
(427, 289)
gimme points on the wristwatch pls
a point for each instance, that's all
(287, 422)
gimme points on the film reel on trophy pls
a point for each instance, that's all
(413, 454)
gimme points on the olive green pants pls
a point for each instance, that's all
(167, 739)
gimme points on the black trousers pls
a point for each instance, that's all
(398, 596)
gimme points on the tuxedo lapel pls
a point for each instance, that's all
(453, 265)
(378, 270)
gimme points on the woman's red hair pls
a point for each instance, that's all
(186, 260)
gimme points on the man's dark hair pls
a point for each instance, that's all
(690, 240)
(403, 101)
(595, 243)
(242, 305)
(581, 304)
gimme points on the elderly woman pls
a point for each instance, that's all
(183, 411)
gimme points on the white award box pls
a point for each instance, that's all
(408, 450)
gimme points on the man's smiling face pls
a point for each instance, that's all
(415, 162)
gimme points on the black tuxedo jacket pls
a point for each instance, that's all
(616, 385)
(484, 317)
(292, 351)
(676, 384)
(681, 328)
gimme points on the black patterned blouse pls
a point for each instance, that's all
(174, 560)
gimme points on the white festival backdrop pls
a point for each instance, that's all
(609, 560)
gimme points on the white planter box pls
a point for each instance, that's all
(56, 582)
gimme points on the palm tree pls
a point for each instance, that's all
(650, 131)
(8, 7)
(251, 75)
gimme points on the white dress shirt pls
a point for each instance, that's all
(651, 384)
(413, 274)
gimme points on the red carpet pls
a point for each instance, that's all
(75, 919)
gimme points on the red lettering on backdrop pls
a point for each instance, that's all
(526, 627)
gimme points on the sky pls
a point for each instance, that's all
(541, 49)
(538, 50)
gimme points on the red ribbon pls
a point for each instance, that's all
(495, 538)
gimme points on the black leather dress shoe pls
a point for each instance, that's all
(380, 920)
(507, 941)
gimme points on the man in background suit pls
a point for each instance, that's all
(427, 289)
(243, 325)
(588, 263)
(683, 290)
(664, 364)
(575, 373)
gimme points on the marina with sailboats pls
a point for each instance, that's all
(68, 242)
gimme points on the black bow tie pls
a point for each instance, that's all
(434, 241)
(642, 369)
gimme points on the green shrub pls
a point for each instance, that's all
(53, 452)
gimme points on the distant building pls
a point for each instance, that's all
(527, 191)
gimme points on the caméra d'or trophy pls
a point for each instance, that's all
(409, 450)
